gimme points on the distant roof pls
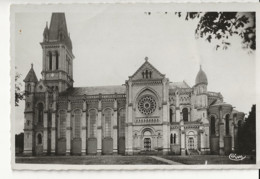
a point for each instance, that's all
(119, 89)
(31, 76)
(178, 85)
(181, 84)
(219, 103)
(95, 90)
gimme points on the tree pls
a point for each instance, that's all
(19, 95)
(247, 134)
(222, 25)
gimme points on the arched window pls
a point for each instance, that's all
(107, 123)
(39, 139)
(40, 112)
(57, 60)
(174, 138)
(185, 114)
(121, 123)
(171, 115)
(77, 123)
(227, 124)
(92, 123)
(62, 124)
(171, 139)
(212, 125)
(50, 61)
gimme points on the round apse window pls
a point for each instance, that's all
(147, 105)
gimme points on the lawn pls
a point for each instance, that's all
(132, 160)
(91, 160)
(211, 159)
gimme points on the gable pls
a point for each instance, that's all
(147, 71)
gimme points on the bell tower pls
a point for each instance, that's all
(57, 56)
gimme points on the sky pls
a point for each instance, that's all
(110, 44)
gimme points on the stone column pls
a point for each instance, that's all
(165, 130)
(207, 142)
(45, 124)
(99, 128)
(178, 115)
(129, 125)
(235, 132)
(28, 133)
(84, 129)
(53, 125)
(221, 132)
(45, 132)
(68, 129)
(165, 118)
(44, 59)
(129, 121)
(115, 132)
(182, 140)
(202, 139)
(53, 133)
(231, 123)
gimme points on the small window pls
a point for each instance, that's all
(39, 138)
(171, 115)
(57, 60)
(50, 61)
(108, 123)
(212, 125)
(40, 112)
(185, 114)
(92, 123)
(77, 124)
(62, 124)
(227, 124)
(121, 123)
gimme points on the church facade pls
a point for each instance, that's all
(147, 115)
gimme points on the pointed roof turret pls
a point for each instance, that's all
(201, 77)
(31, 76)
(46, 33)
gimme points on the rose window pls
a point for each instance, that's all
(147, 105)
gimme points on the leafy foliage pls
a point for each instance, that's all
(222, 25)
(247, 134)
(19, 95)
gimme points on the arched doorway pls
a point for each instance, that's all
(147, 144)
(147, 140)
(191, 140)
(190, 143)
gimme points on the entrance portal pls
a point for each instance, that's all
(147, 144)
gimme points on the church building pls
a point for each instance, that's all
(147, 115)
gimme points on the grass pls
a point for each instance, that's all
(91, 160)
(211, 159)
(132, 160)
